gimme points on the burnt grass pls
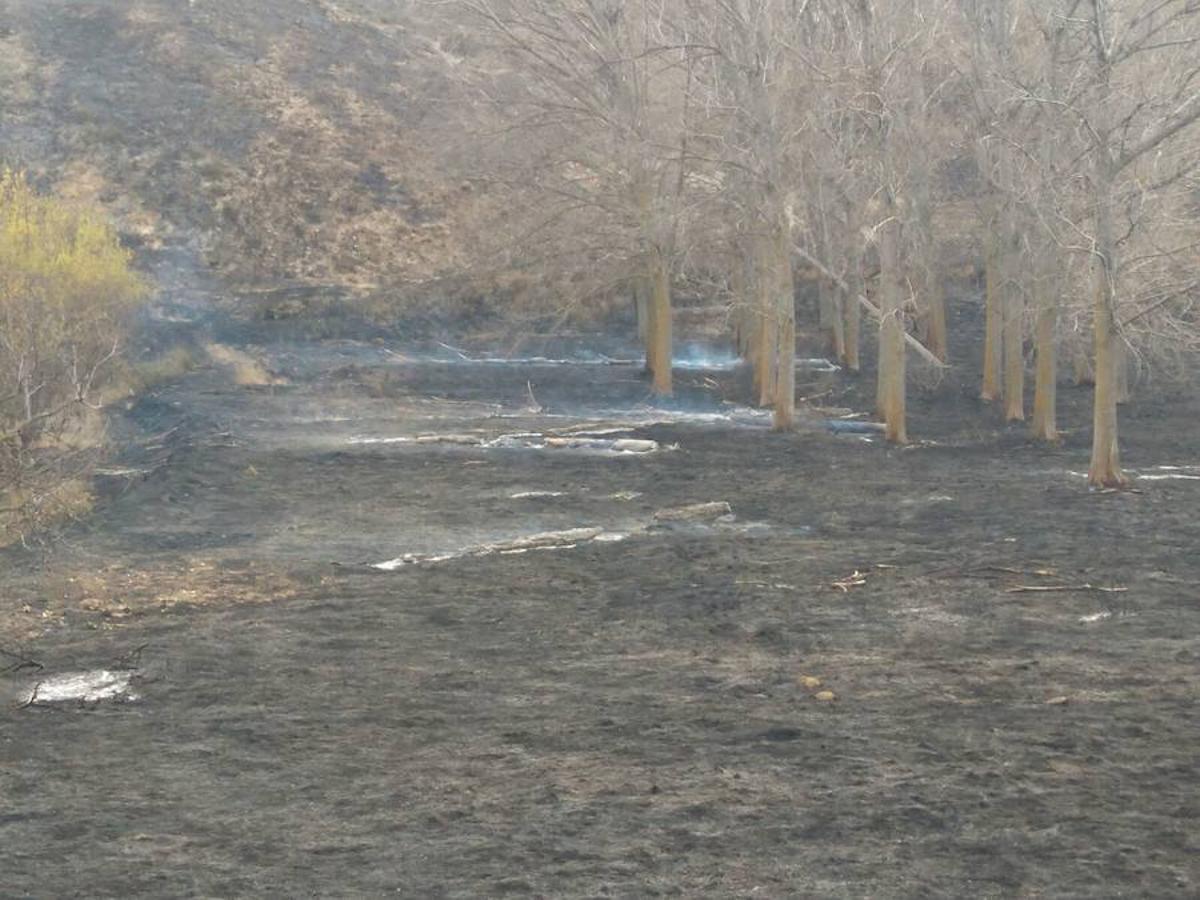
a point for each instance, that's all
(624, 719)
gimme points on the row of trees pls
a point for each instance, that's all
(745, 141)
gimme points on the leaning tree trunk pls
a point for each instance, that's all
(1105, 468)
(891, 388)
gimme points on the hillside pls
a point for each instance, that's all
(280, 142)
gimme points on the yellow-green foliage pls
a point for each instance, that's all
(66, 294)
(66, 291)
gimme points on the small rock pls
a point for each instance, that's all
(1058, 701)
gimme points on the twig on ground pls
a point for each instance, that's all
(853, 580)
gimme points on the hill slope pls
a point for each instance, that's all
(285, 141)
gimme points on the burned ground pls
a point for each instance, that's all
(638, 717)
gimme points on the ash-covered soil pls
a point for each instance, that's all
(643, 715)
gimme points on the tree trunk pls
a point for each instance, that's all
(785, 315)
(1105, 468)
(659, 345)
(993, 339)
(641, 308)
(832, 321)
(853, 312)
(1045, 397)
(1014, 344)
(767, 351)
(891, 388)
(935, 317)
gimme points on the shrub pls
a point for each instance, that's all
(67, 292)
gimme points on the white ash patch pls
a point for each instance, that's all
(568, 539)
(86, 687)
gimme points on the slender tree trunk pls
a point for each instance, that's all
(785, 313)
(766, 313)
(641, 308)
(1045, 397)
(853, 313)
(935, 316)
(993, 338)
(832, 320)
(1014, 344)
(891, 389)
(1105, 468)
(660, 318)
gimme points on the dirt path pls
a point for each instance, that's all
(631, 716)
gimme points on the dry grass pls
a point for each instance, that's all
(143, 376)
(29, 509)
(116, 594)
(246, 370)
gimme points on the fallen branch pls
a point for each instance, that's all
(921, 350)
(1048, 588)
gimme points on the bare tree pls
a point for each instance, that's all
(594, 96)
(1125, 87)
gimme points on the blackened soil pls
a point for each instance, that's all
(629, 719)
